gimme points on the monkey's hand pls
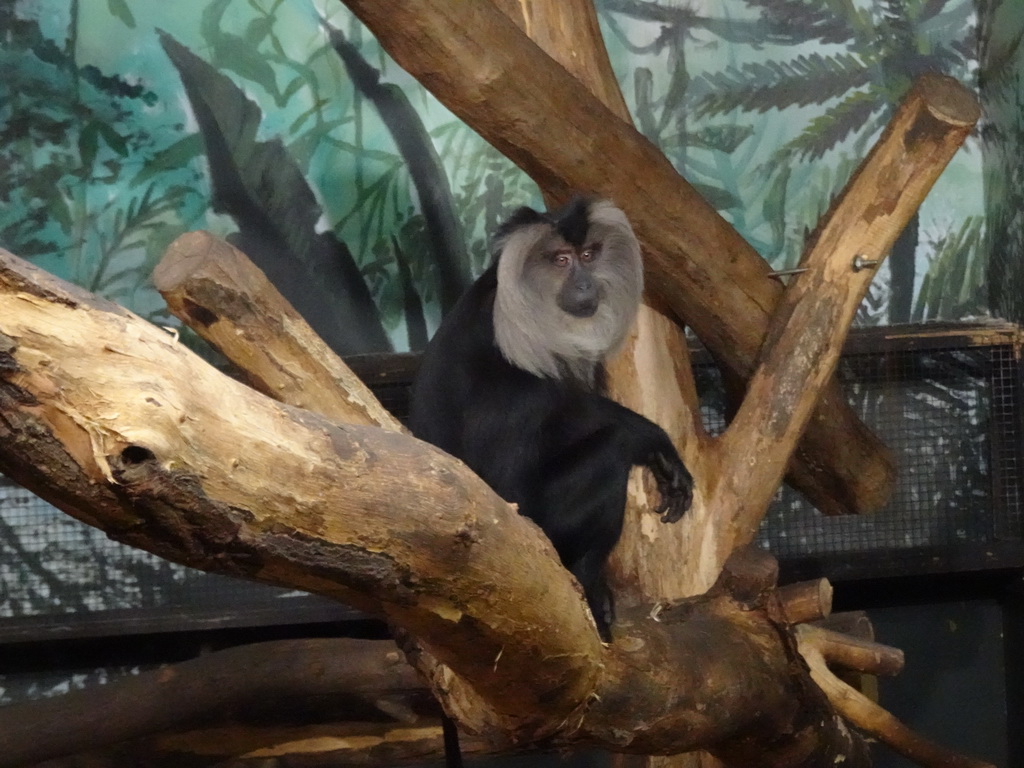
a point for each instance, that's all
(675, 484)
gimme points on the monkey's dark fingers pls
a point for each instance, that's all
(674, 508)
(675, 485)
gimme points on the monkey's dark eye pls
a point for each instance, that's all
(590, 252)
(561, 259)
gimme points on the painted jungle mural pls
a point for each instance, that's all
(282, 124)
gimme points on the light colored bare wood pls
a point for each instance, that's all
(569, 32)
(806, 600)
(226, 299)
(320, 745)
(164, 452)
(810, 325)
(855, 653)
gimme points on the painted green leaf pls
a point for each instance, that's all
(177, 155)
(262, 188)
(113, 139)
(120, 10)
(88, 143)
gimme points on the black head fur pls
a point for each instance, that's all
(572, 221)
(521, 217)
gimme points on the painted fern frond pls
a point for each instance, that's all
(832, 127)
(761, 86)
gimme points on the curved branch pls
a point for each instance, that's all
(115, 423)
(871, 718)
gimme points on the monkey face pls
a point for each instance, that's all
(569, 285)
(571, 273)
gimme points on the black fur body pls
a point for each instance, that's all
(553, 444)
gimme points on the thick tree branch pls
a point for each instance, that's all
(324, 745)
(808, 329)
(217, 291)
(118, 424)
(259, 745)
(111, 420)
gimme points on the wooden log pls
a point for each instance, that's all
(117, 424)
(318, 745)
(806, 600)
(749, 575)
(325, 745)
(225, 298)
(569, 32)
(490, 74)
(808, 329)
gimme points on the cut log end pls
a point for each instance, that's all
(948, 100)
(806, 601)
(183, 258)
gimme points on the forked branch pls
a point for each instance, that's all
(819, 647)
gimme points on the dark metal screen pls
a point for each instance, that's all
(946, 400)
(53, 567)
(951, 418)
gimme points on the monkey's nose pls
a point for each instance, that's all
(582, 300)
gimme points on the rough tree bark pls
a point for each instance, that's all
(117, 424)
